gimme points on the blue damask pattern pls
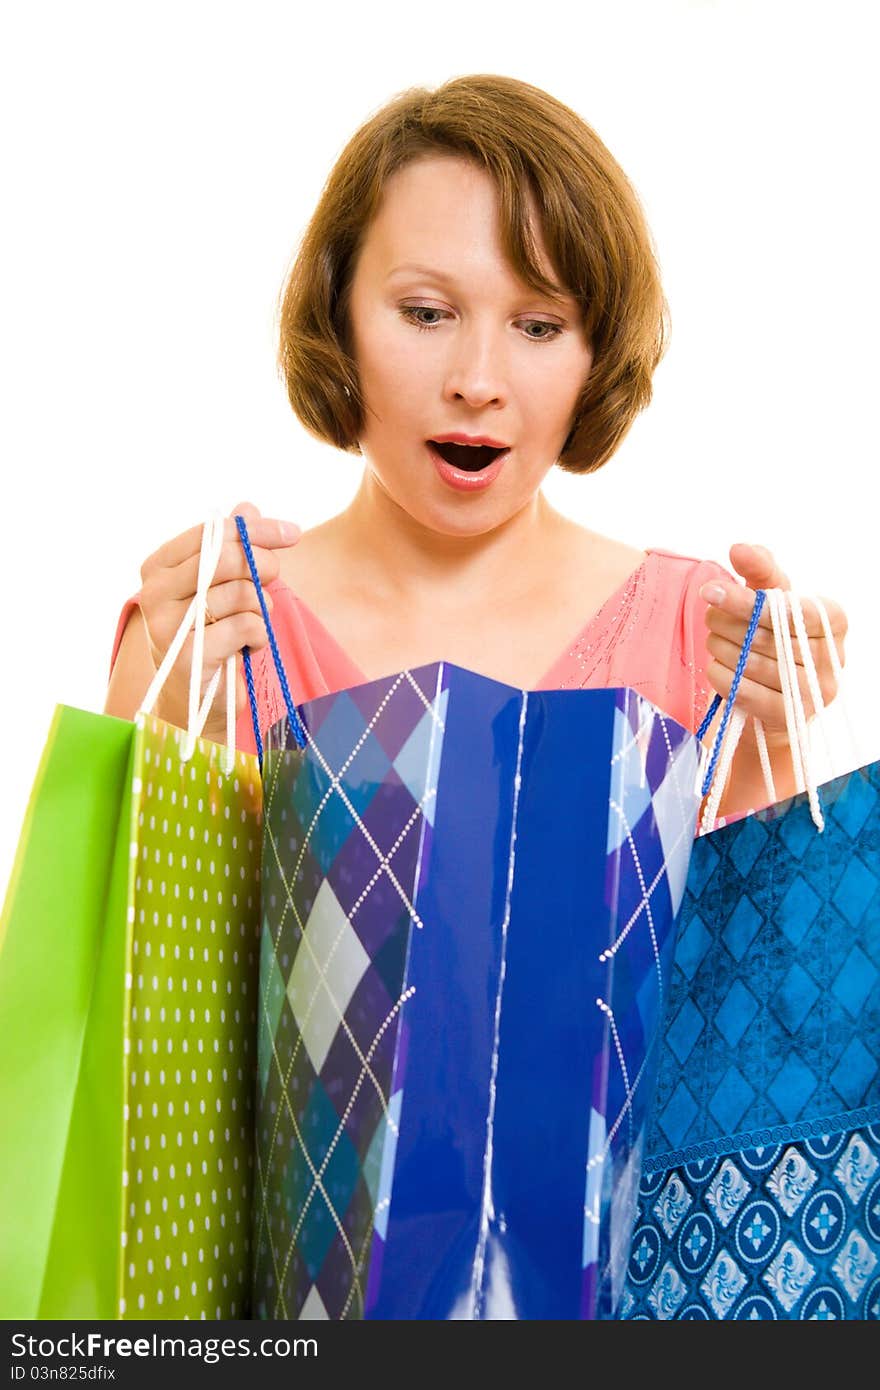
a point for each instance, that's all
(782, 1231)
(762, 1190)
(774, 1005)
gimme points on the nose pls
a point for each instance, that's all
(475, 369)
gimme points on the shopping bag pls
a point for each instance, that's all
(128, 977)
(468, 899)
(761, 1189)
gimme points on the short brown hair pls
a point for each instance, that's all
(595, 231)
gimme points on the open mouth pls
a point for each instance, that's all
(470, 458)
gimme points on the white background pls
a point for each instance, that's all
(160, 164)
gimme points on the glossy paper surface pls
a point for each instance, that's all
(52, 929)
(761, 1197)
(128, 995)
(468, 898)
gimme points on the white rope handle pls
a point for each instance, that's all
(196, 614)
(797, 611)
(797, 726)
(795, 714)
(840, 697)
(813, 678)
(735, 729)
(732, 737)
(212, 545)
(809, 665)
(788, 680)
(779, 602)
(766, 766)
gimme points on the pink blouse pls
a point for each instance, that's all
(650, 635)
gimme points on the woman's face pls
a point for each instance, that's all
(447, 339)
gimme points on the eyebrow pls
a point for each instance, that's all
(441, 275)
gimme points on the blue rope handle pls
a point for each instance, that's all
(760, 596)
(295, 724)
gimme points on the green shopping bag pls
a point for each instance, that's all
(129, 958)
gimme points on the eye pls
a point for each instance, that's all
(410, 312)
(555, 330)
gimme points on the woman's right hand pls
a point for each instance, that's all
(169, 579)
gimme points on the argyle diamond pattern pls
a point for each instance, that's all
(350, 828)
(346, 821)
(650, 838)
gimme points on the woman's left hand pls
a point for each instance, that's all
(727, 618)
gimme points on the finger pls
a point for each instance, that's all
(258, 534)
(226, 638)
(179, 582)
(222, 639)
(736, 601)
(724, 620)
(758, 567)
(233, 565)
(764, 644)
(165, 598)
(761, 668)
(266, 532)
(838, 621)
(235, 596)
(761, 672)
(734, 629)
(249, 510)
(753, 698)
(720, 620)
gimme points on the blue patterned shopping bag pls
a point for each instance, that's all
(761, 1189)
(468, 898)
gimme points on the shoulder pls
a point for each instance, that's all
(669, 576)
(588, 552)
(312, 569)
(684, 575)
(678, 620)
(673, 584)
(688, 564)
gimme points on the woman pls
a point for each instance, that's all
(475, 301)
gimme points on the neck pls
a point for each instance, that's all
(402, 560)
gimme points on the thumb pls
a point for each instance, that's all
(757, 566)
(247, 510)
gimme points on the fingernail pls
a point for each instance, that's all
(713, 593)
(290, 532)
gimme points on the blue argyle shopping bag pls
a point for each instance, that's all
(760, 1196)
(468, 901)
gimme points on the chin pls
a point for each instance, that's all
(458, 517)
(470, 521)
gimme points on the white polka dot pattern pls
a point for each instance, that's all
(191, 1023)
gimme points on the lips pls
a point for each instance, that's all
(470, 458)
(469, 480)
